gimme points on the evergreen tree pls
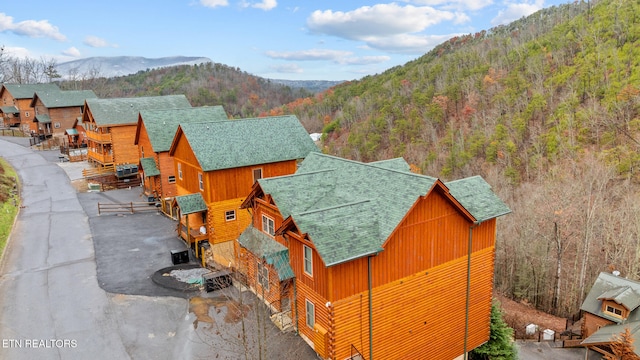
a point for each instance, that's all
(500, 345)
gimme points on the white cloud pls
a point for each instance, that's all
(214, 3)
(312, 54)
(515, 11)
(97, 42)
(18, 52)
(265, 5)
(31, 28)
(376, 21)
(72, 51)
(389, 27)
(287, 68)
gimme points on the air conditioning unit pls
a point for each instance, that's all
(179, 256)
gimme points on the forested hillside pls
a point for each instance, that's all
(546, 109)
(241, 94)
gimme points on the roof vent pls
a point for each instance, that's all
(615, 273)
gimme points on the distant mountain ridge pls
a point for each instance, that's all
(113, 66)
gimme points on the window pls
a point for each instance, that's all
(26, 114)
(172, 179)
(311, 314)
(180, 171)
(308, 260)
(614, 311)
(230, 215)
(56, 125)
(200, 182)
(268, 225)
(257, 174)
(263, 276)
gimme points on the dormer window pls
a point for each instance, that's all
(611, 310)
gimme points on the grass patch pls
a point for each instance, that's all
(9, 201)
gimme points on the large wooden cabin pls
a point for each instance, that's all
(154, 133)
(372, 259)
(111, 126)
(58, 111)
(15, 104)
(220, 160)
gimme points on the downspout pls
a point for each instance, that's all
(370, 310)
(466, 306)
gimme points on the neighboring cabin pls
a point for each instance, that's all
(15, 104)
(217, 162)
(611, 306)
(373, 258)
(154, 133)
(58, 112)
(111, 126)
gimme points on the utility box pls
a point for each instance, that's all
(548, 334)
(531, 329)
(179, 256)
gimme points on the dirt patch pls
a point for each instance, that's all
(519, 314)
(81, 185)
(200, 307)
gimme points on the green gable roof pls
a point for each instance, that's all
(124, 111)
(610, 287)
(58, 99)
(149, 167)
(191, 203)
(349, 208)
(475, 195)
(263, 246)
(609, 333)
(26, 91)
(9, 109)
(43, 119)
(245, 142)
(161, 125)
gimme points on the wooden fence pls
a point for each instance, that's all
(12, 132)
(131, 207)
(98, 171)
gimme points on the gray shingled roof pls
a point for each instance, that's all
(161, 125)
(245, 142)
(616, 288)
(124, 111)
(475, 195)
(263, 246)
(149, 167)
(607, 334)
(43, 119)
(9, 109)
(191, 203)
(26, 91)
(58, 99)
(349, 208)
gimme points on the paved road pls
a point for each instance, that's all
(52, 305)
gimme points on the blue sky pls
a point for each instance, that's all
(277, 39)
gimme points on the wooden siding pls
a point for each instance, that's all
(421, 316)
(247, 264)
(321, 314)
(167, 168)
(66, 117)
(224, 230)
(319, 281)
(183, 155)
(433, 233)
(592, 323)
(124, 149)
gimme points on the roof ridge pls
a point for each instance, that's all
(334, 207)
(377, 166)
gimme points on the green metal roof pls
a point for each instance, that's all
(475, 195)
(191, 203)
(265, 247)
(124, 111)
(9, 109)
(610, 287)
(236, 143)
(58, 99)
(161, 125)
(149, 167)
(43, 119)
(609, 333)
(71, 132)
(26, 91)
(349, 208)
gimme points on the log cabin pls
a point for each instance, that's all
(15, 104)
(611, 306)
(57, 111)
(154, 133)
(111, 126)
(219, 161)
(373, 260)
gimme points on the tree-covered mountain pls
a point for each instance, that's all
(545, 108)
(240, 93)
